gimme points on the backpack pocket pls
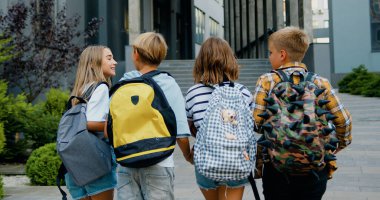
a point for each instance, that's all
(233, 166)
(86, 157)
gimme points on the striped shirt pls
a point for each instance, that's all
(266, 82)
(197, 99)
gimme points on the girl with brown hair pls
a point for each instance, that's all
(215, 64)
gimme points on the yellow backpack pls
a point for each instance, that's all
(141, 124)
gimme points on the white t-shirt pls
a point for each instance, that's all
(98, 105)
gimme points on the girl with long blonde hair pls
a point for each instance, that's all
(96, 65)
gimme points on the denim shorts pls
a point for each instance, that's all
(154, 183)
(209, 184)
(104, 183)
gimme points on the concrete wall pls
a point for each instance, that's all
(317, 59)
(322, 59)
(351, 34)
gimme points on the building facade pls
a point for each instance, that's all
(354, 35)
(185, 24)
(248, 23)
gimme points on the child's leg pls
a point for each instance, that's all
(228, 193)
(106, 195)
(210, 194)
(157, 182)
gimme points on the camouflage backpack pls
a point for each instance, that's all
(297, 137)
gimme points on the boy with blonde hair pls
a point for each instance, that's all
(293, 125)
(151, 178)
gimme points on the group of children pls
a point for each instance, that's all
(214, 64)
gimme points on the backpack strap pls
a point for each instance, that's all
(86, 96)
(254, 187)
(282, 75)
(88, 93)
(61, 176)
(154, 73)
(147, 76)
(69, 104)
(310, 76)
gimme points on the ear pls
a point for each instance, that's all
(135, 54)
(283, 54)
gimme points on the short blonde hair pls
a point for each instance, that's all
(215, 61)
(293, 40)
(151, 48)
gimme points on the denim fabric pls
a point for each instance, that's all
(102, 184)
(209, 184)
(154, 182)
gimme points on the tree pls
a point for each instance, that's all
(5, 49)
(46, 45)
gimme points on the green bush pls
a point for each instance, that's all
(372, 88)
(43, 164)
(360, 82)
(14, 113)
(43, 129)
(1, 187)
(2, 137)
(37, 123)
(56, 100)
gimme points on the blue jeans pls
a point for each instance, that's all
(209, 184)
(104, 183)
(154, 182)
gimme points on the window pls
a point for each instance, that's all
(326, 23)
(199, 25)
(375, 24)
(214, 27)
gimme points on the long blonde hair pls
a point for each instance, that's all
(215, 61)
(89, 69)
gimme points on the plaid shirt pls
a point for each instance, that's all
(266, 82)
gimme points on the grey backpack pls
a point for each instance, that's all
(85, 156)
(225, 145)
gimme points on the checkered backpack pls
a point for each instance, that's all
(225, 145)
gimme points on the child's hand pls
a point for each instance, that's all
(190, 157)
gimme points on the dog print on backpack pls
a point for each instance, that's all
(225, 147)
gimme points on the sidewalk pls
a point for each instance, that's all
(358, 176)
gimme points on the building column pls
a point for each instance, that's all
(308, 19)
(280, 14)
(293, 11)
(134, 19)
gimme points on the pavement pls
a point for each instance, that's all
(358, 176)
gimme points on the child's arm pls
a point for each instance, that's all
(193, 129)
(258, 104)
(95, 126)
(184, 145)
(343, 122)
